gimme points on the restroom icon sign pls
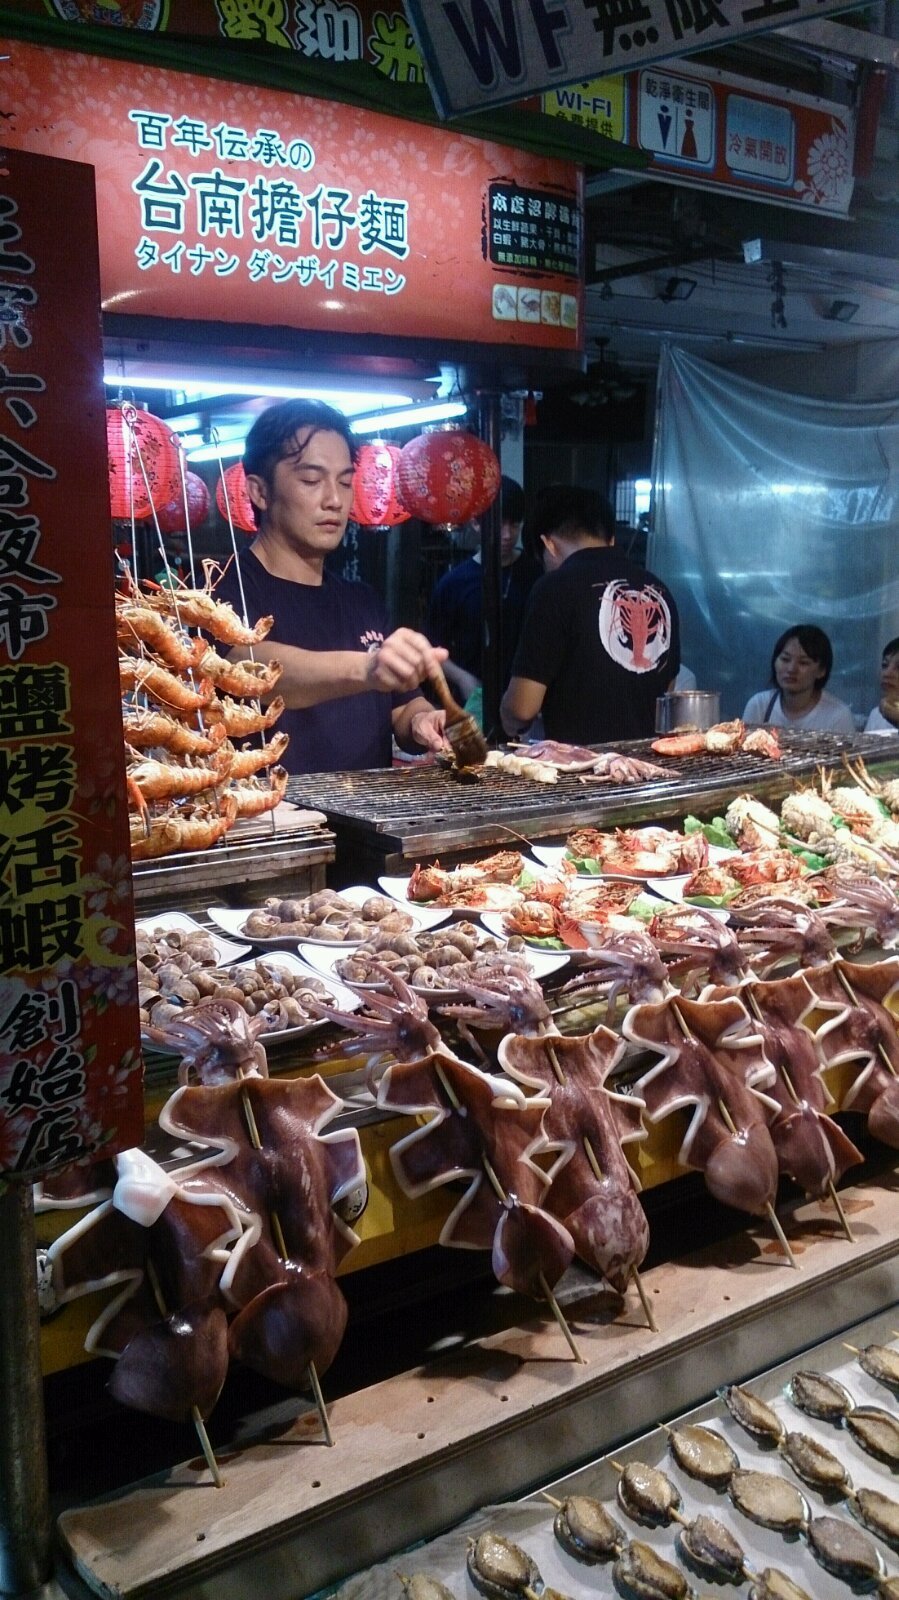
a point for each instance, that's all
(676, 118)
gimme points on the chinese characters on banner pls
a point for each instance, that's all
(294, 212)
(714, 130)
(482, 53)
(70, 1073)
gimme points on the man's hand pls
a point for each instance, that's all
(427, 729)
(403, 661)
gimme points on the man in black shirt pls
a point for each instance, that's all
(600, 639)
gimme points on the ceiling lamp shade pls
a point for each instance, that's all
(375, 500)
(185, 511)
(233, 484)
(446, 476)
(144, 470)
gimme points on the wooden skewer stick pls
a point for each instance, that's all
(281, 1247)
(729, 1121)
(199, 1424)
(501, 1195)
(598, 1175)
(551, 1500)
(831, 1188)
(881, 1048)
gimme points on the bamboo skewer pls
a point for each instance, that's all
(881, 1048)
(732, 1128)
(281, 1247)
(199, 1424)
(831, 1188)
(501, 1195)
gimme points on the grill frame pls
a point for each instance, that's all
(383, 820)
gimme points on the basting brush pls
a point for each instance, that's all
(466, 740)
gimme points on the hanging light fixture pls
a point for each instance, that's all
(375, 500)
(144, 471)
(233, 484)
(176, 517)
(447, 476)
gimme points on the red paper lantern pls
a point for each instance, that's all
(446, 476)
(375, 502)
(238, 502)
(172, 518)
(144, 471)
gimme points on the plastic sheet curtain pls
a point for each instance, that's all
(771, 509)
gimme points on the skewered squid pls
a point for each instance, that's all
(862, 1031)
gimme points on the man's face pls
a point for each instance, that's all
(306, 501)
(510, 541)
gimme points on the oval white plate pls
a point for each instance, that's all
(541, 962)
(554, 855)
(232, 919)
(493, 922)
(672, 889)
(339, 995)
(226, 950)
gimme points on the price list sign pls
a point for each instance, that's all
(70, 1067)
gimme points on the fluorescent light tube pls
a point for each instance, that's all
(410, 417)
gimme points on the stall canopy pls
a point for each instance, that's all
(772, 509)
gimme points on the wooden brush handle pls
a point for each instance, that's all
(444, 693)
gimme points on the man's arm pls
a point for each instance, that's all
(521, 703)
(312, 677)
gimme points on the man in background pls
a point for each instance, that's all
(456, 613)
(600, 639)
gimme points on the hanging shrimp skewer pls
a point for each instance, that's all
(148, 730)
(245, 763)
(197, 608)
(253, 797)
(137, 624)
(246, 679)
(193, 827)
(240, 720)
(163, 685)
(168, 780)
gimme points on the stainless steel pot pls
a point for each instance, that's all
(698, 708)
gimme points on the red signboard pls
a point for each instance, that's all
(70, 1073)
(251, 206)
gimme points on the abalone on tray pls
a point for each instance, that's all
(880, 1363)
(876, 1431)
(703, 1454)
(499, 1569)
(820, 1396)
(774, 1585)
(585, 1529)
(711, 1548)
(646, 1494)
(422, 1587)
(758, 1419)
(843, 1550)
(878, 1513)
(768, 1500)
(815, 1464)
(641, 1574)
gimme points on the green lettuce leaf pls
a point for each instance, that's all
(715, 831)
(714, 902)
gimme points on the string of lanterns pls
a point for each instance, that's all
(445, 477)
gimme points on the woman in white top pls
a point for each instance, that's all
(885, 716)
(801, 664)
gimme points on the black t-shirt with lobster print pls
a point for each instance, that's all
(603, 635)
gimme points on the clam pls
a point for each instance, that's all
(879, 1514)
(876, 1431)
(711, 1548)
(881, 1363)
(754, 1415)
(499, 1569)
(646, 1494)
(774, 1585)
(703, 1454)
(814, 1463)
(640, 1573)
(768, 1500)
(820, 1396)
(843, 1550)
(421, 1587)
(585, 1529)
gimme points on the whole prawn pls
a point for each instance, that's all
(240, 720)
(253, 797)
(167, 780)
(246, 762)
(245, 679)
(163, 685)
(148, 730)
(199, 609)
(193, 827)
(137, 623)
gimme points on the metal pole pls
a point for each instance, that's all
(25, 1532)
(490, 425)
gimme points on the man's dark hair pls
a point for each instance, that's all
(568, 512)
(511, 500)
(813, 640)
(891, 648)
(273, 434)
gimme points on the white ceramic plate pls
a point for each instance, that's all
(232, 918)
(226, 950)
(324, 961)
(396, 888)
(339, 995)
(493, 922)
(553, 856)
(672, 890)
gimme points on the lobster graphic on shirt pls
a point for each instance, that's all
(634, 625)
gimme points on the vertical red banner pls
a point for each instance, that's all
(70, 1068)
